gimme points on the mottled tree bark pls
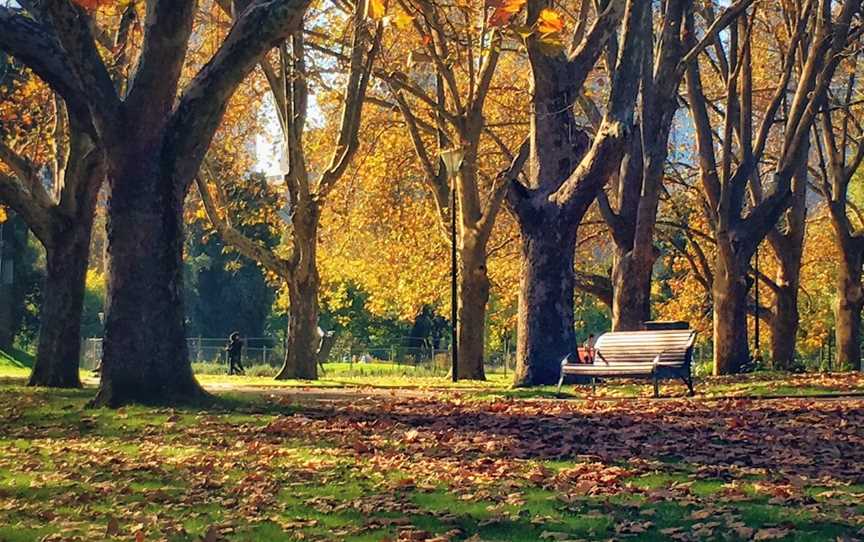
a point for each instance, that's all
(327, 344)
(784, 322)
(631, 291)
(841, 153)
(640, 179)
(788, 247)
(145, 357)
(546, 334)
(725, 179)
(847, 310)
(729, 293)
(473, 296)
(59, 349)
(301, 353)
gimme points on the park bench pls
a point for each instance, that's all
(655, 354)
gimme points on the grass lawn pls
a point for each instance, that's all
(441, 467)
(14, 366)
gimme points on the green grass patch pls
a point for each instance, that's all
(263, 470)
(15, 359)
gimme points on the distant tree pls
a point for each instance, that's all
(308, 183)
(841, 152)
(728, 127)
(225, 291)
(16, 273)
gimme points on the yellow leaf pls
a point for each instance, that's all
(2, 215)
(549, 22)
(402, 20)
(376, 9)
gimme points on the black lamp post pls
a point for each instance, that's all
(757, 342)
(452, 159)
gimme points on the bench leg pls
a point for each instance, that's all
(656, 386)
(593, 386)
(688, 381)
(560, 382)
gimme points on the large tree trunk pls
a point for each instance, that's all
(145, 357)
(729, 293)
(13, 243)
(785, 320)
(301, 350)
(59, 351)
(545, 330)
(631, 292)
(847, 315)
(67, 255)
(788, 247)
(473, 296)
(784, 324)
(564, 178)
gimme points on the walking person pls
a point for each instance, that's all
(235, 350)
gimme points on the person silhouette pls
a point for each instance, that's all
(235, 351)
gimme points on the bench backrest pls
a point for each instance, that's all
(643, 346)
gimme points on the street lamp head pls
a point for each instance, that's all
(452, 159)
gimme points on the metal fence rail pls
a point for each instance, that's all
(270, 351)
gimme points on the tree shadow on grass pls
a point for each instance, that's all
(790, 438)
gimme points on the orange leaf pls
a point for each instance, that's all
(504, 10)
(549, 22)
(92, 4)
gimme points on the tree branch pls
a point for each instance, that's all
(244, 245)
(499, 191)
(199, 111)
(72, 25)
(37, 46)
(37, 217)
(152, 91)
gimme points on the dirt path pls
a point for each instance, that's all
(359, 393)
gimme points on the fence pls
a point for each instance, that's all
(257, 351)
(270, 351)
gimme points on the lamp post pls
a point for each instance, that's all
(757, 342)
(452, 159)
